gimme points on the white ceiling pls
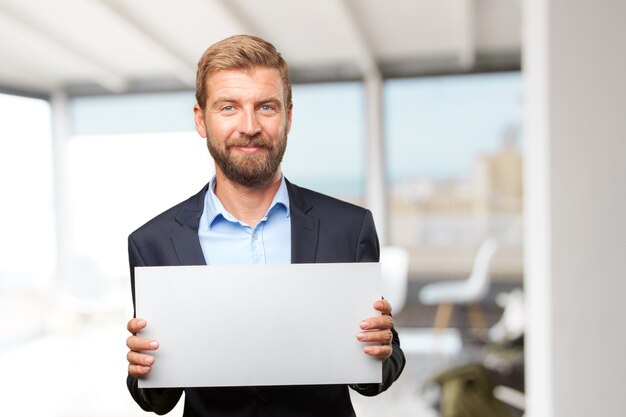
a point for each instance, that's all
(113, 46)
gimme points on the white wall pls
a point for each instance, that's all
(575, 69)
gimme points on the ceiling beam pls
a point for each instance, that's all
(467, 34)
(239, 16)
(366, 61)
(17, 91)
(183, 69)
(99, 72)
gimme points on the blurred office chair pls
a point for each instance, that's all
(467, 292)
(394, 262)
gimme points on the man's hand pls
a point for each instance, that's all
(378, 330)
(139, 364)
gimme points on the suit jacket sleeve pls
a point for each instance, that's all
(369, 251)
(158, 400)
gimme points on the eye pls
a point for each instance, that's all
(267, 108)
(228, 108)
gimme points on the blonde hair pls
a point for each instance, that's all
(240, 52)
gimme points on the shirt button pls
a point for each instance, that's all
(255, 236)
(262, 398)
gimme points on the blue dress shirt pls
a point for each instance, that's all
(227, 241)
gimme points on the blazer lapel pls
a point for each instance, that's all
(304, 227)
(185, 239)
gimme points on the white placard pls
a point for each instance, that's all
(238, 325)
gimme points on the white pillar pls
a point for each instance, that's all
(376, 179)
(60, 136)
(575, 176)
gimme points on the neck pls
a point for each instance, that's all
(247, 203)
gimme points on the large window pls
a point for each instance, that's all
(326, 148)
(454, 165)
(453, 156)
(27, 246)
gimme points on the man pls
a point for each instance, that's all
(244, 111)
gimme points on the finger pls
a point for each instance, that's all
(138, 370)
(377, 323)
(381, 352)
(383, 306)
(137, 343)
(136, 324)
(135, 358)
(384, 337)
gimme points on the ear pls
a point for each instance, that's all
(289, 115)
(198, 115)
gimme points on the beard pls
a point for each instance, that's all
(244, 169)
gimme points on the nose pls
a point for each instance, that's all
(249, 125)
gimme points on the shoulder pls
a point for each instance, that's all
(345, 232)
(335, 216)
(187, 212)
(160, 223)
(316, 202)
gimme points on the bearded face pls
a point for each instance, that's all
(245, 122)
(248, 169)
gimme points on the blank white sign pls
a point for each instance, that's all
(237, 325)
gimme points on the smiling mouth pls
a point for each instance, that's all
(249, 149)
(250, 146)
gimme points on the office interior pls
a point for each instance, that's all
(486, 136)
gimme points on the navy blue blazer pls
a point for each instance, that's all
(323, 230)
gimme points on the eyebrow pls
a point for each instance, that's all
(274, 101)
(223, 100)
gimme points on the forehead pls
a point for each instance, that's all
(252, 83)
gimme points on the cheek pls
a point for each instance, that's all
(219, 131)
(276, 128)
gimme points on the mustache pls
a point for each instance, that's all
(258, 141)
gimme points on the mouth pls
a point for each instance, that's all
(249, 149)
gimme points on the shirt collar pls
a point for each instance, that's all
(214, 209)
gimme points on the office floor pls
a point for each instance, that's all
(79, 370)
